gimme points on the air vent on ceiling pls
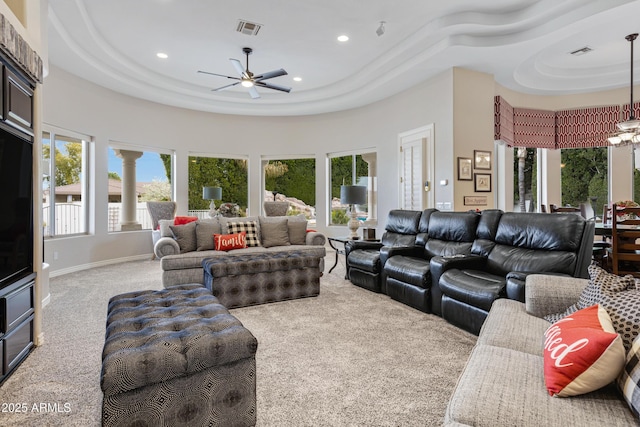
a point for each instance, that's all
(248, 28)
(581, 51)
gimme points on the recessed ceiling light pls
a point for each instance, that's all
(297, 79)
(162, 55)
(343, 38)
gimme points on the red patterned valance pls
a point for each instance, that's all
(586, 127)
(625, 111)
(503, 120)
(534, 128)
(576, 128)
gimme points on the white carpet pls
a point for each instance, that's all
(349, 357)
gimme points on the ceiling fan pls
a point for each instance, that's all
(248, 79)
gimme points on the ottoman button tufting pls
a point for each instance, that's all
(176, 357)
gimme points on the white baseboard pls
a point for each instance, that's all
(46, 300)
(81, 267)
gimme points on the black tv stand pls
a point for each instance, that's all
(16, 323)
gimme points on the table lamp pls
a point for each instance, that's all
(213, 194)
(353, 195)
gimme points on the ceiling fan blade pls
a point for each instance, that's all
(225, 87)
(253, 92)
(271, 74)
(238, 66)
(219, 75)
(272, 86)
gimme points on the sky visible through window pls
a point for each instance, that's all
(149, 167)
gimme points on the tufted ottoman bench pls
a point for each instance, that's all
(176, 357)
(249, 279)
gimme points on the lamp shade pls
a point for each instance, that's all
(353, 194)
(212, 193)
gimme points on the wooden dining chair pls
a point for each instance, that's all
(606, 214)
(564, 209)
(625, 232)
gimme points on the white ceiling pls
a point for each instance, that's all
(525, 44)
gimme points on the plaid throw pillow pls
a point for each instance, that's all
(629, 379)
(250, 227)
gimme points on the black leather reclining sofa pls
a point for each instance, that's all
(460, 262)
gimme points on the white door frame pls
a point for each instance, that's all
(426, 133)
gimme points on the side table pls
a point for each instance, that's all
(339, 251)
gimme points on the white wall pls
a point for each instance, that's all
(75, 104)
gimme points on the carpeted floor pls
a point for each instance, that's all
(346, 358)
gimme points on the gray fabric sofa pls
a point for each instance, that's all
(503, 381)
(181, 259)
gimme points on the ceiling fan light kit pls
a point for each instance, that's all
(248, 79)
(628, 131)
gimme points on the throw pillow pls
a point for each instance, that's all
(226, 242)
(629, 379)
(624, 310)
(250, 227)
(582, 353)
(274, 233)
(599, 280)
(297, 230)
(205, 229)
(181, 220)
(185, 235)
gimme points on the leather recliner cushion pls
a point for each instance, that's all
(504, 259)
(414, 271)
(364, 259)
(473, 287)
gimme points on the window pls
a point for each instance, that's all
(64, 183)
(585, 177)
(352, 169)
(152, 183)
(292, 180)
(525, 177)
(229, 174)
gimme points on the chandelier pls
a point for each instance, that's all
(629, 130)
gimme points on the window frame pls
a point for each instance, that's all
(371, 189)
(85, 174)
(116, 145)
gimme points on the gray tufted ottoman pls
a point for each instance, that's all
(176, 357)
(249, 279)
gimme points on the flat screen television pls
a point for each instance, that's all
(16, 207)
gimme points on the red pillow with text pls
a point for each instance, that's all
(181, 220)
(226, 242)
(582, 353)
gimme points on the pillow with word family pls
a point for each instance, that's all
(226, 242)
(249, 227)
(582, 353)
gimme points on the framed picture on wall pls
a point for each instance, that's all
(464, 169)
(481, 159)
(482, 182)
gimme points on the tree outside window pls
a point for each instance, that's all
(230, 174)
(353, 169)
(292, 180)
(525, 175)
(585, 177)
